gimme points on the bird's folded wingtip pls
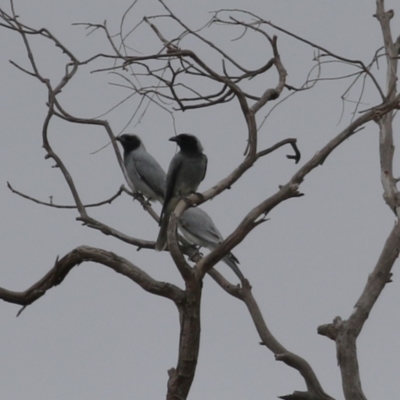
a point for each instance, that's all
(161, 242)
(160, 246)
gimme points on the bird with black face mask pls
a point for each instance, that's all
(144, 172)
(150, 179)
(186, 170)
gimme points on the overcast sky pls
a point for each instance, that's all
(98, 335)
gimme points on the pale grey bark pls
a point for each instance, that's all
(345, 332)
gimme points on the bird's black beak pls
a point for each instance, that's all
(118, 138)
(173, 139)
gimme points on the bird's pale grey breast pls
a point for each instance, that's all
(143, 170)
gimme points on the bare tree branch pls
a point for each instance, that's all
(259, 21)
(51, 204)
(386, 150)
(85, 254)
(293, 143)
(290, 189)
(345, 333)
(161, 78)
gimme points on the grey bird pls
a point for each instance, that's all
(198, 228)
(143, 170)
(150, 179)
(186, 170)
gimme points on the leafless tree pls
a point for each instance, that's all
(172, 77)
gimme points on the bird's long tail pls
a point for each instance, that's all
(231, 261)
(161, 242)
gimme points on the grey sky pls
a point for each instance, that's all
(100, 336)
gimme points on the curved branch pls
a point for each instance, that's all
(293, 142)
(51, 204)
(362, 66)
(210, 44)
(272, 94)
(85, 254)
(314, 388)
(109, 231)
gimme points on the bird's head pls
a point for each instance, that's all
(129, 142)
(188, 143)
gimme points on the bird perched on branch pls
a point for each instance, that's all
(150, 179)
(144, 172)
(198, 228)
(186, 170)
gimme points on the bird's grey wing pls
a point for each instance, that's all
(200, 224)
(231, 262)
(152, 174)
(205, 166)
(212, 233)
(203, 232)
(173, 172)
(201, 221)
